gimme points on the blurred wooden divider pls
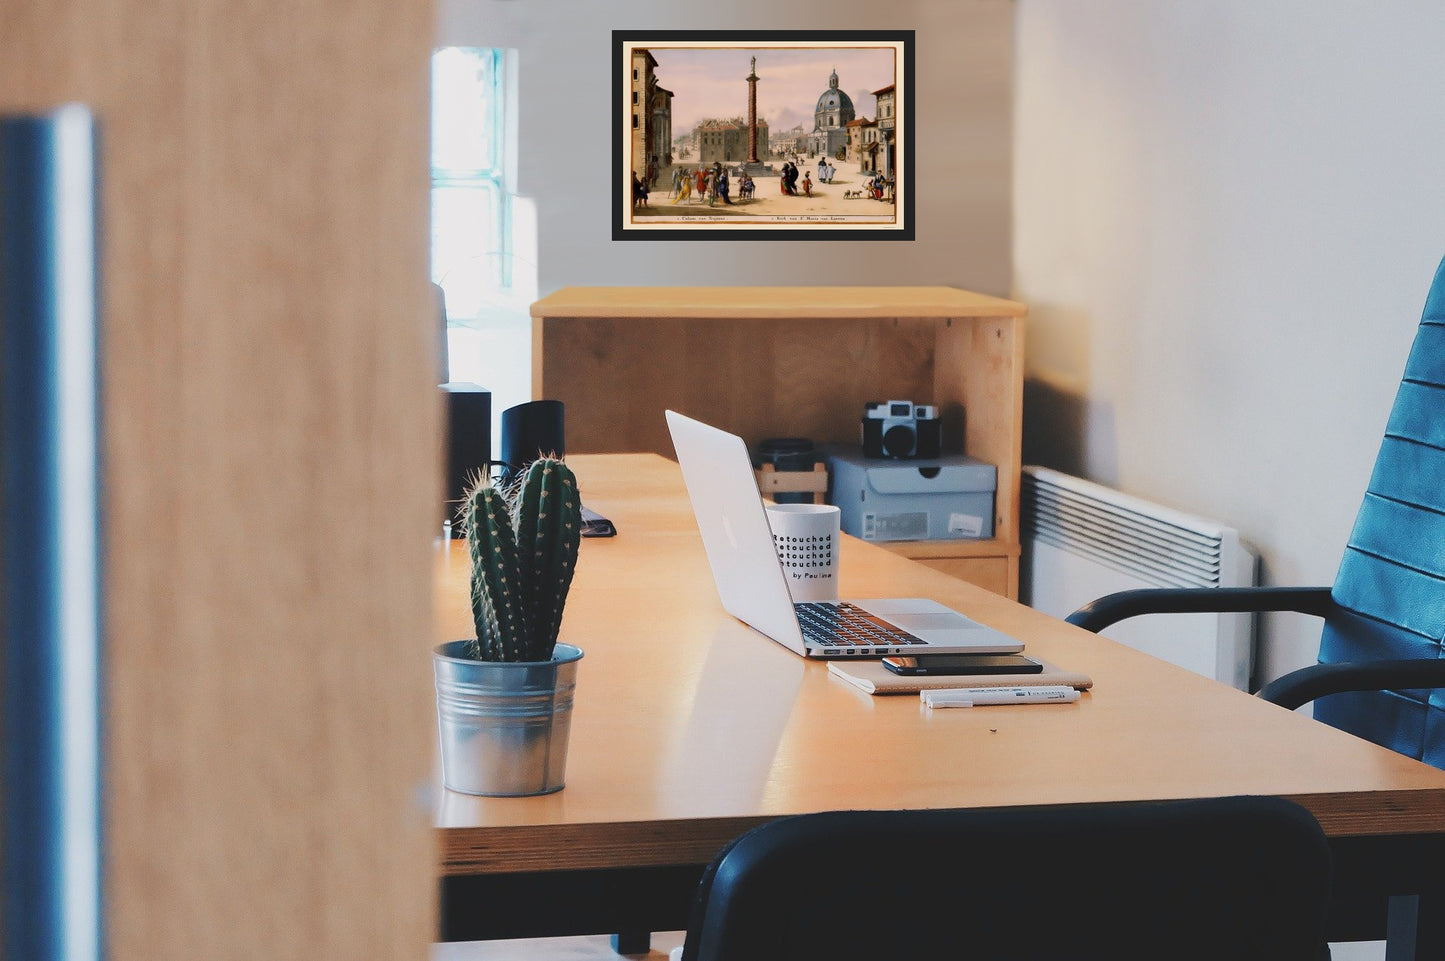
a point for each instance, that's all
(270, 444)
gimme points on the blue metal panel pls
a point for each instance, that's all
(50, 760)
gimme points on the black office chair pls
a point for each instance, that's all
(1381, 650)
(1238, 878)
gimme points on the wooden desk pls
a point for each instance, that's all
(690, 728)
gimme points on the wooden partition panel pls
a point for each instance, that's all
(271, 475)
(760, 377)
(982, 364)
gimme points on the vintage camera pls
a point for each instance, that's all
(901, 429)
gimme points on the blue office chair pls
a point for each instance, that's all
(1381, 663)
(1237, 878)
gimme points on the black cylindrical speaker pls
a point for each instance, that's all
(530, 431)
(469, 442)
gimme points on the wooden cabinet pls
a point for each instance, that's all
(978, 562)
(794, 361)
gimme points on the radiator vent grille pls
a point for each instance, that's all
(1082, 541)
(1161, 547)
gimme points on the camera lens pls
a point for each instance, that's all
(899, 440)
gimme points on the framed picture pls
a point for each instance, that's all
(762, 135)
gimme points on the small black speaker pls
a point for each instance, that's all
(469, 442)
(530, 431)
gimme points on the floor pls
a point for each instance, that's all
(597, 948)
(600, 949)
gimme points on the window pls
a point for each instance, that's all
(479, 225)
(468, 201)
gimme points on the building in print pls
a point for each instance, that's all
(887, 130)
(830, 121)
(863, 143)
(643, 82)
(789, 142)
(726, 141)
(659, 154)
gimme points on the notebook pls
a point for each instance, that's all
(753, 587)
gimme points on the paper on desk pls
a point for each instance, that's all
(873, 677)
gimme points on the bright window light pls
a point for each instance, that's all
(478, 224)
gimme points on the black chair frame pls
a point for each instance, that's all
(1295, 688)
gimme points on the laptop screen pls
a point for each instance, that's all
(734, 527)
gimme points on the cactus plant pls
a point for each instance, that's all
(523, 544)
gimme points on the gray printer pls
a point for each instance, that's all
(943, 498)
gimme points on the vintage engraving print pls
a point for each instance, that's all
(768, 134)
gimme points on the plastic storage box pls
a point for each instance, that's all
(946, 498)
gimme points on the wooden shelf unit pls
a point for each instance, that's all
(795, 361)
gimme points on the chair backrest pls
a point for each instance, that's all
(1237, 878)
(1390, 588)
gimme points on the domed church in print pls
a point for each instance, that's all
(830, 120)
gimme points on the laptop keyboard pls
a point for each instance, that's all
(845, 626)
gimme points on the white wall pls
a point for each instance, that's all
(963, 141)
(1227, 216)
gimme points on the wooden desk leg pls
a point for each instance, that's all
(1416, 928)
(632, 942)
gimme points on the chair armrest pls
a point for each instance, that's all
(1099, 614)
(1304, 685)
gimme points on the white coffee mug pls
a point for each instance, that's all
(806, 537)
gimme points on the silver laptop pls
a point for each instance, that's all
(754, 588)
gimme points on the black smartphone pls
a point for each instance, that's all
(595, 525)
(911, 665)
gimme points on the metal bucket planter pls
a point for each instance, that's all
(504, 726)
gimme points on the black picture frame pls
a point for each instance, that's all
(842, 209)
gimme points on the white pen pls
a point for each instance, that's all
(982, 696)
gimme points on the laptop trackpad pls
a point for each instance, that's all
(950, 629)
(915, 614)
(925, 624)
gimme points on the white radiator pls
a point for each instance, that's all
(1082, 541)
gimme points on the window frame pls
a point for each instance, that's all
(488, 177)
